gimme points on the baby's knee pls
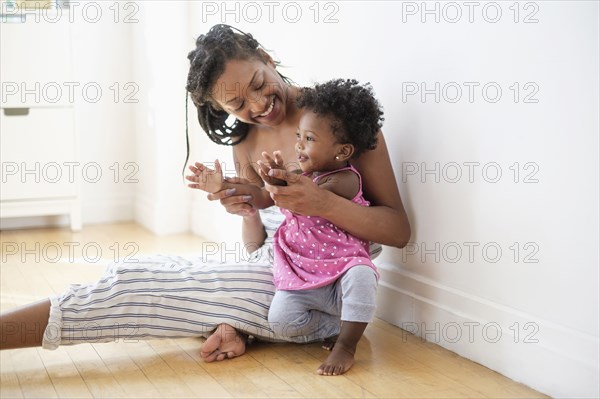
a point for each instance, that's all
(287, 321)
(277, 309)
(277, 314)
(359, 285)
(362, 275)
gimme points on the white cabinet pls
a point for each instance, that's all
(38, 142)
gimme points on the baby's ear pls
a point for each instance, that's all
(345, 152)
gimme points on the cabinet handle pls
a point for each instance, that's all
(16, 111)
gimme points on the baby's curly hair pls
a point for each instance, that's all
(357, 114)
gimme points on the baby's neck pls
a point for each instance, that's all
(330, 169)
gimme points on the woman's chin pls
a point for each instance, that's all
(277, 115)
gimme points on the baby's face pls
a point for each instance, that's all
(316, 146)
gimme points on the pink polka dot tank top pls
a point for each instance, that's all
(311, 252)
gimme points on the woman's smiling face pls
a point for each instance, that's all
(252, 91)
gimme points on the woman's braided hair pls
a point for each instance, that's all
(207, 63)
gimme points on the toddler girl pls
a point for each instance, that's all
(323, 274)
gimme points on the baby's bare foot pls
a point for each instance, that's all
(224, 343)
(339, 361)
(329, 343)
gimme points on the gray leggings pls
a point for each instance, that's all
(313, 315)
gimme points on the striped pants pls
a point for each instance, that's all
(165, 297)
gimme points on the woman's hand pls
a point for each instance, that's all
(240, 197)
(300, 194)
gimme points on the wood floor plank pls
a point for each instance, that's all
(94, 372)
(32, 375)
(125, 371)
(65, 377)
(158, 372)
(267, 380)
(227, 373)
(9, 383)
(9, 274)
(289, 363)
(189, 371)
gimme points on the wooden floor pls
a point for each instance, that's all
(391, 363)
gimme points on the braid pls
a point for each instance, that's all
(207, 63)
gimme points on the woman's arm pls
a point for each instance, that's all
(239, 198)
(245, 194)
(253, 232)
(387, 220)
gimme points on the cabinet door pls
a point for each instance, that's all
(37, 152)
(35, 60)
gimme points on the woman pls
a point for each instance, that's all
(230, 74)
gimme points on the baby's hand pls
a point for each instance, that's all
(206, 179)
(268, 163)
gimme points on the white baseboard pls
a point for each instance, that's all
(30, 222)
(551, 358)
(107, 209)
(143, 212)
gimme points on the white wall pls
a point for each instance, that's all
(534, 322)
(104, 124)
(160, 45)
(459, 302)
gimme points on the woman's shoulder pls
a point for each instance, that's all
(379, 182)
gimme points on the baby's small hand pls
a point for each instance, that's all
(271, 162)
(206, 179)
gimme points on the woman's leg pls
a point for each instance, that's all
(158, 297)
(24, 327)
(167, 298)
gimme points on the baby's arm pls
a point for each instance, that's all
(345, 183)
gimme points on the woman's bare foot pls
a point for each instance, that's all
(339, 361)
(225, 343)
